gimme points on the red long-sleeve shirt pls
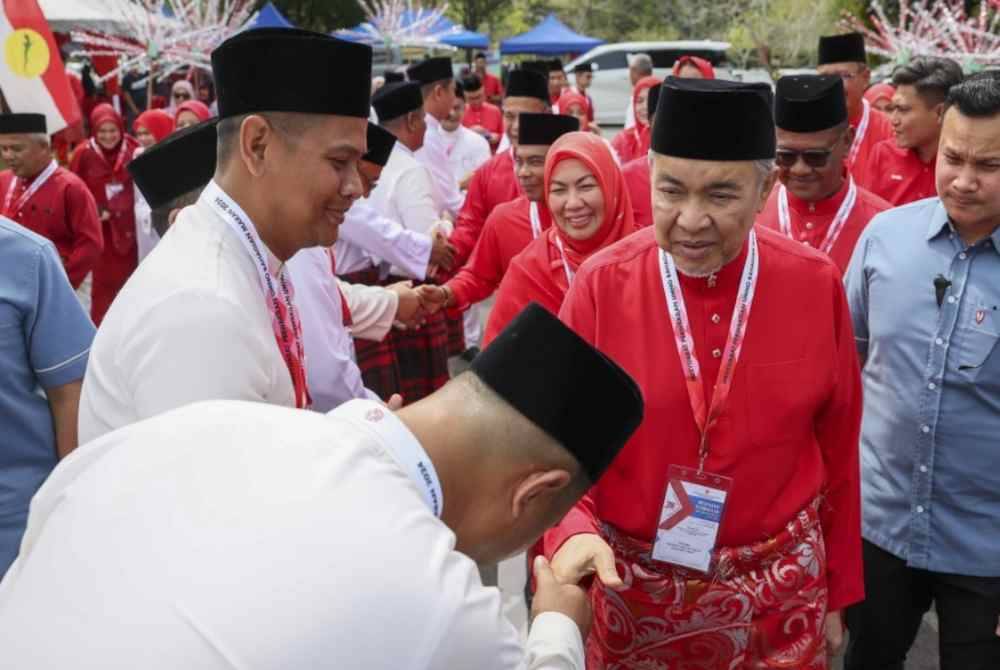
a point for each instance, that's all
(486, 116)
(789, 432)
(636, 173)
(63, 211)
(898, 175)
(506, 233)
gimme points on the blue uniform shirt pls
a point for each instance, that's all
(930, 440)
(44, 339)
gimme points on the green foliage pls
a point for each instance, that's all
(321, 15)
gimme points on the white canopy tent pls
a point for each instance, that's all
(105, 16)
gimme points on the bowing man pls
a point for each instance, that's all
(844, 56)
(46, 199)
(818, 202)
(513, 225)
(231, 533)
(211, 313)
(747, 473)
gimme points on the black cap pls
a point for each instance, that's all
(472, 83)
(714, 119)
(583, 67)
(544, 129)
(847, 48)
(392, 76)
(380, 143)
(430, 70)
(393, 100)
(809, 103)
(291, 70)
(181, 163)
(555, 65)
(653, 100)
(540, 66)
(566, 387)
(18, 124)
(480, 54)
(527, 84)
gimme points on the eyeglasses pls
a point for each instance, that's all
(814, 158)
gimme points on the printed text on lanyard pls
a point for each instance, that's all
(11, 208)
(836, 226)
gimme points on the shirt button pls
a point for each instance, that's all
(920, 509)
(716, 318)
(925, 429)
(951, 299)
(932, 386)
(809, 226)
(963, 255)
(923, 468)
(939, 342)
(717, 353)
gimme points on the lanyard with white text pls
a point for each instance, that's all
(290, 343)
(837, 225)
(30, 191)
(706, 417)
(565, 264)
(536, 222)
(119, 160)
(859, 134)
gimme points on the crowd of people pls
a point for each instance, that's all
(736, 403)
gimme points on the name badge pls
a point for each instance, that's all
(112, 190)
(690, 518)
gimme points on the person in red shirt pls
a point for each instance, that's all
(590, 207)
(817, 202)
(491, 84)
(45, 198)
(558, 81)
(573, 103)
(880, 95)
(692, 67)
(728, 530)
(845, 56)
(496, 182)
(901, 170)
(102, 164)
(152, 126)
(480, 116)
(583, 74)
(513, 225)
(632, 143)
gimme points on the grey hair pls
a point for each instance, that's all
(41, 138)
(642, 62)
(764, 167)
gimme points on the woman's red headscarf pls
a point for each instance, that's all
(633, 142)
(569, 98)
(537, 274)
(878, 92)
(196, 107)
(703, 66)
(156, 121)
(103, 113)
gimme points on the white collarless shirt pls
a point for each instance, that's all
(466, 152)
(367, 238)
(190, 324)
(228, 535)
(434, 155)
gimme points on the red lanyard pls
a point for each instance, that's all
(704, 416)
(11, 208)
(836, 226)
(288, 328)
(119, 160)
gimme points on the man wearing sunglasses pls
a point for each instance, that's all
(817, 200)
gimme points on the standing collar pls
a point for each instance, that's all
(393, 435)
(213, 190)
(826, 206)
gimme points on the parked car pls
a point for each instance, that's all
(611, 89)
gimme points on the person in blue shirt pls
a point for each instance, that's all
(45, 337)
(924, 291)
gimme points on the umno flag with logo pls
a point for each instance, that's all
(32, 74)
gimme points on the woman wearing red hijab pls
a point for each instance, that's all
(631, 143)
(150, 127)
(879, 96)
(191, 113)
(101, 163)
(590, 208)
(692, 67)
(574, 104)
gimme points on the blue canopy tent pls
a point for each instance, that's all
(449, 32)
(269, 17)
(551, 36)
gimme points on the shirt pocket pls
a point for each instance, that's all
(977, 355)
(781, 401)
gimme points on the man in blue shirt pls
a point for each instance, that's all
(924, 289)
(44, 339)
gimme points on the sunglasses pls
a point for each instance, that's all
(181, 96)
(814, 158)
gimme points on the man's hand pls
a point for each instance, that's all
(553, 596)
(395, 402)
(433, 298)
(442, 253)
(584, 555)
(833, 630)
(409, 313)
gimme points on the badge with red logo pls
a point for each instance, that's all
(980, 316)
(374, 415)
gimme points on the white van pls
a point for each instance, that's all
(612, 90)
